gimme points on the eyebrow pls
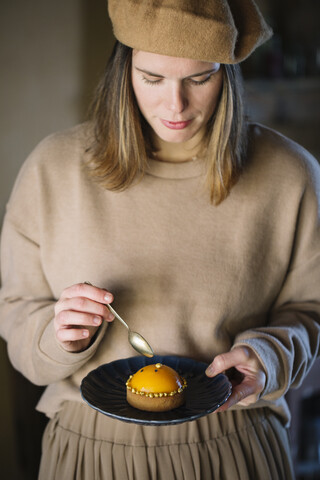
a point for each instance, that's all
(200, 74)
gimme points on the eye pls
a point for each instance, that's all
(205, 78)
(151, 82)
(200, 82)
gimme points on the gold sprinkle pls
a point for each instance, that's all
(159, 394)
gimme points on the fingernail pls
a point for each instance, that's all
(108, 297)
(85, 333)
(110, 317)
(210, 371)
(96, 320)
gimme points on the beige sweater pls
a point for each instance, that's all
(193, 278)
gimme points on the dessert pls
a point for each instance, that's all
(156, 388)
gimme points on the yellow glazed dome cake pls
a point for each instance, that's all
(156, 388)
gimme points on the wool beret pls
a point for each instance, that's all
(224, 31)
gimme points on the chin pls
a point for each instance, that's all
(175, 136)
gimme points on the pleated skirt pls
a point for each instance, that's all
(80, 443)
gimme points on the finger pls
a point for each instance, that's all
(239, 393)
(67, 335)
(69, 318)
(246, 392)
(225, 361)
(89, 291)
(83, 305)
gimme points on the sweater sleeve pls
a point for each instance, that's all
(290, 342)
(27, 312)
(26, 298)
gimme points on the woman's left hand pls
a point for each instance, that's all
(248, 380)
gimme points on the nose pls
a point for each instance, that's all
(177, 100)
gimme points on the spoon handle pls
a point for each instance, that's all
(112, 310)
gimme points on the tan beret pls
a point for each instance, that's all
(224, 31)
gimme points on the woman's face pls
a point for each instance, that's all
(177, 96)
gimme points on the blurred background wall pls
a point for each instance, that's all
(52, 54)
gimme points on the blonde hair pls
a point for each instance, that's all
(227, 143)
(122, 141)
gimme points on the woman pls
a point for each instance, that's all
(203, 230)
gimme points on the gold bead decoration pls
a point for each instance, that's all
(158, 394)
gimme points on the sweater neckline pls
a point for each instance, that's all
(175, 170)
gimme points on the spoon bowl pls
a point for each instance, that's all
(136, 340)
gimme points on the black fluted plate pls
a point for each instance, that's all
(104, 389)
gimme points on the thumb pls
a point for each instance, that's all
(227, 360)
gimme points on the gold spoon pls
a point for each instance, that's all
(136, 340)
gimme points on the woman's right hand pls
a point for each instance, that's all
(79, 312)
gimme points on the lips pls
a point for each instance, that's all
(175, 125)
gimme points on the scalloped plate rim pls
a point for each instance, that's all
(165, 359)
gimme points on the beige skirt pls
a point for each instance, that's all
(82, 444)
